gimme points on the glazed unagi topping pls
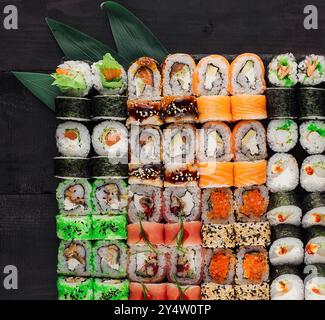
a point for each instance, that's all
(179, 107)
(180, 176)
(146, 172)
(143, 110)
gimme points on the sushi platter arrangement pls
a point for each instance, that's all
(203, 178)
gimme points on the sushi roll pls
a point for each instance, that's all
(249, 141)
(249, 173)
(181, 175)
(247, 75)
(252, 265)
(252, 234)
(73, 139)
(312, 173)
(179, 143)
(282, 135)
(252, 291)
(282, 70)
(217, 206)
(72, 108)
(73, 78)
(74, 258)
(214, 108)
(108, 289)
(216, 174)
(110, 139)
(214, 291)
(145, 145)
(212, 76)
(109, 227)
(287, 247)
(74, 197)
(71, 168)
(284, 208)
(109, 107)
(146, 233)
(315, 282)
(282, 173)
(74, 227)
(311, 70)
(287, 284)
(75, 288)
(144, 80)
(182, 203)
(144, 112)
(177, 75)
(315, 246)
(214, 143)
(312, 136)
(178, 292)
(147, 264)
(146, 175)
(218, 236)
(144, 204)
(311, 103)
(102, 167)
(148, 291)
(109, 259)
(314, 209)
(110, 196)
(281, 103)
(251, 203)
(248, 107)
(220, 265)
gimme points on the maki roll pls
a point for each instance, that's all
(252, 265)
(179, 143)
(177, 74)
(71, 168)
(106, 289)
(314, 208)
(110, 196)
(74, 258)
(213, 291)
(312, 174)
(73, 78)
(212, 76)
(251, 203)
(216, 174)
(218, 236)
(252, 291)
(252, 234)
(315, 282)
(146, 175)
(181, 175)
(249, 173)
(103, 167)
(109, 259)
(284, 208)
(282, 135)
(148, 291)
(74, 227)
(249, 141)
(282, 173)
(281, 103)
(144, 204)
(287, 247)
(312, 136)
(283, 70)
(220, 266)
(182, 203)
(73, 139)
(311, 103)
(73, 197)
(72, 108)
(113, 107)
(214, 143)
(214, 108)
(110, 139)
(109, 227)
(311, 70)
(178, 292)
(144, 80)
(145, 144)
(247, 75)
(217, 206)
(315, 246)
(75, 288)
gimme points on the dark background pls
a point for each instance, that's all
(27, 128)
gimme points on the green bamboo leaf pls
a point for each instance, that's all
(39, 84)
(133, 39)
(79, 46)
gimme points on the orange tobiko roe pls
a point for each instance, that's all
(253, 203)
(111, 74)
(254, 266)
(220, 205)
(219, 267)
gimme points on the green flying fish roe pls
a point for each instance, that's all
(75, 288)
(109, 227)
(73, 227)
(313, 127)
(286, 125)
(111, 289)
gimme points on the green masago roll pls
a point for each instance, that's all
(72, 108)
(109, 227)
(75, 288)
(105, 168)
(111, 289)
(71, 168)
(73, 227)
(311, 103)
(74, 197)
(112, 107)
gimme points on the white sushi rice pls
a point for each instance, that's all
(314, 289)
(280, 139)
(314, 217)
(294, 251)
(288, 178)
(310, 139)
(289, 215)
(317, 254)
(317, 77)
(287, 287)
(312, 173)
(78, 147)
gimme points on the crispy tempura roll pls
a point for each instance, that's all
(143, 112)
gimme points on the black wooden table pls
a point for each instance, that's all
(27, 128)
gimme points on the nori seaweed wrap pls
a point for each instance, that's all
(73, 227)
(313, 200)
(111, 289)
(71, 168)
(104, 168)
(281, 199)
(280, 270)
(313, 232)
(284, 231)
(75, 288)
(314, 270)
(105, 107)
(72, 108)
(281, 103)
(311, 103)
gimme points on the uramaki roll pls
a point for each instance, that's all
(214, 108)
(216, 174)
(248, 107)
(249, 173)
